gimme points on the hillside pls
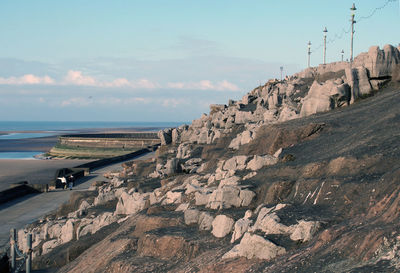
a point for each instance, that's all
(301, 175)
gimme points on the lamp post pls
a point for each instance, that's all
(353, 10)
(342, 52)
(309, 52)
(325, 33)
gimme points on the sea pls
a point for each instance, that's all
(15, 130)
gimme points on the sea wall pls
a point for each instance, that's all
(123, 141)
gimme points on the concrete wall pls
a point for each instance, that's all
(110, 140)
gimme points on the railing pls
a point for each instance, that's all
(17, 258)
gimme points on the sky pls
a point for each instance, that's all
(154, 60)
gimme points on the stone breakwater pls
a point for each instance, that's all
(102, 145)
(226, 188)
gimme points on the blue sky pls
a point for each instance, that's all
(165, 60)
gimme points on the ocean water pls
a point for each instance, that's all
(18, 155)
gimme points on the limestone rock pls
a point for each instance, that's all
(49, 245)
(304, 230)
(359, 82)
(67, 231)
(255, 246)
(191, 216)
(324, 97)
(165, 136)
(131, 203)
(172, 166)
(222, 226)
(173, 197)
(201, 198)
(379, 62)
(205, 221)
(269, 223)
(226, 197)
(260, 161)
(241, 226)
(183, 151)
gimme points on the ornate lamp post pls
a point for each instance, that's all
(325, 33)
(353, 11)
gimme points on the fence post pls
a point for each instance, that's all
(13, 236)
(28, 261)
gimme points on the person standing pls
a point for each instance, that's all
(64, 182)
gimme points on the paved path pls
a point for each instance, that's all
(23, 211)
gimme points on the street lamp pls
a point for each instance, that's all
(309, 52)
(342, 52)
(325, 33)
(353, 11)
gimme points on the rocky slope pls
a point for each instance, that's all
(258, 185)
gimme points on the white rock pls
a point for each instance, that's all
(304, 230)
(205, 221)
(269, 223)
(130, 204)
(246, 197)
(249, 175)
(222, 226)
(191, 216)
(223, 198)
(67, 231)
(49, 246)
(241, 226)
(172, 197)
(260, 161)
(182, 207)
(255, 246)
(201, 198)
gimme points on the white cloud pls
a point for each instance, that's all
(204, 85)
(27, 79)
(77, 78)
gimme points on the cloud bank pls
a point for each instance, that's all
(77, 78)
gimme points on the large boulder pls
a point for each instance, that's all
(241, 226)
(359, 82)
(222, 226)
(379, 62)
(132, 203)
(191, 216)
(254, 246)
(172, 166)
(269, 223)
(229, 196)
(304, 230)
(67, 231)
(324, 97)
(205, 221)
(165, 136)
(261, 161)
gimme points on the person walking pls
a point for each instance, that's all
(71, 182)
